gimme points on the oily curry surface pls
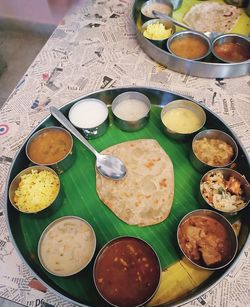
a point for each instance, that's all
(144, 197)
(127, 272)
(205, 241)
(50, 146)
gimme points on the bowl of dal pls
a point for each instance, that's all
(181, 119)
(158, 31)
(189, 45)
(36, 189)
(127, 272)
(51, 146)
(231, 48)
(66, 246)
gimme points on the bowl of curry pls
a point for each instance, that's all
(207, 239)
(212, 148)
(51, 146)
(189, 45)
(127, 272)
(231, 48)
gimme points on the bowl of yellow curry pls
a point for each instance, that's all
(181, 119)
(51, 146)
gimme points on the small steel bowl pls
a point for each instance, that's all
(202, 166)
(230, 38)
(227, 226)
(198, 110)
(61, 165)
(93, 131)
(43, 236)
(52, 207)
(127, 124)
(227, 173)
(161, 43)
(183, 34)
(148, 6)
(121, 262)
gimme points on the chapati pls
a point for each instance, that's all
(144, 197)
(212, 17)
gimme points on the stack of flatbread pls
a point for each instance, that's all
(212, 17)
(144, 197)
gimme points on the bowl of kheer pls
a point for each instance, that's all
(163, 6)
(212, 148)
(66, 246)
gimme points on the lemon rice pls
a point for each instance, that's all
(157, 31)
(36, 191)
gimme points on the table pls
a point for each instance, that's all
(95, 48)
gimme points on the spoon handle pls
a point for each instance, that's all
(177, 23)
(67, 124)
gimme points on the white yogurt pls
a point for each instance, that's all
(88, 113)
(131, 109)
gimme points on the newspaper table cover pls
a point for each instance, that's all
(95, 48)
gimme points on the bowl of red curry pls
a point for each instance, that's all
(127, 272)
(231, 48)
(207, 239)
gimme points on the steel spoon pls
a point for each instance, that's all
(107, 165)
(210, 35)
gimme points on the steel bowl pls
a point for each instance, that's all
(198, 110)
(157, 268)
(200, 165)
(227, 226)
(227, 173)
(93, 131)
(48, 228)
(61, 165)
(131, 125)
(52, 207)
(230, 38)
(161, 43)
(202, 37)
(148, 6)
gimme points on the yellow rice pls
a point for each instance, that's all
(157, 31)
(36, 191)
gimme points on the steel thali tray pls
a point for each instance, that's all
(80, 199)
(193, 68)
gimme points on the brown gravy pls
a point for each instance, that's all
(204, 240)
(232, 52)
(127, 272)
(189, 47)
(50, 146)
